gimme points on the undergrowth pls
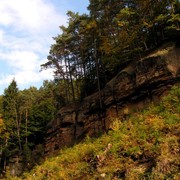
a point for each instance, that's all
(146, 146)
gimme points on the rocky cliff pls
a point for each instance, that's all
(141, 82)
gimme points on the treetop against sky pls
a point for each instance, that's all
(26, 31)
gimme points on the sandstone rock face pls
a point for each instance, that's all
(142, 82)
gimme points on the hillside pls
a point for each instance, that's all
(135, 86)
(145, 146)
(108, 66)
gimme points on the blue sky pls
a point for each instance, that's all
(26, 31)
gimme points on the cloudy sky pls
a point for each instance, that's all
(26, 31)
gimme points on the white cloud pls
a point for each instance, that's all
(1, 36)
(26, 31)
(22, 60)
(30, 15)
(25, 78)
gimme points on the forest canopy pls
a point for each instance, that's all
(92, 48)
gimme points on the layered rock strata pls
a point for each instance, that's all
(141, 82)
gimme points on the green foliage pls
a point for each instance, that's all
(146, 146)
(23, 122)
(1, 105)
(10, 115)
(93, 48)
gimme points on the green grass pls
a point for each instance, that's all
(146, 146)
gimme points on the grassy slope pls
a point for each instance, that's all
(147, 146)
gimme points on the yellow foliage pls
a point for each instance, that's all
(154, 121)
(106, 46)
(2, 126)
(91, 25)
(116, 124)
(143, 145)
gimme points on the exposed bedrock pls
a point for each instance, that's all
(131, 89)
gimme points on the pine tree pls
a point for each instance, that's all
(11, 114)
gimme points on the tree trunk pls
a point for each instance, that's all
(18, 131)
(145, 45)
(97, 73)
(26, 125)
(71, 80)
(66, 80)
(5, 158)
